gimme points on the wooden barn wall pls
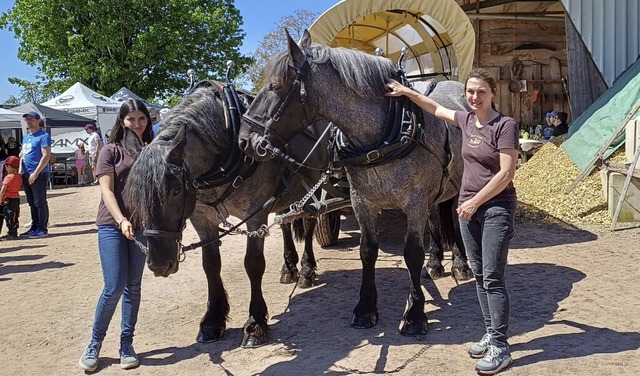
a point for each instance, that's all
(541, 47)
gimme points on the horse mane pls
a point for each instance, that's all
(202, 114)
(364, 74)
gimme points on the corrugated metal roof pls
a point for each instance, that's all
(611, 31)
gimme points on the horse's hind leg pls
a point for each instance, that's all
(213, 323)
(434, 268)
(256, 329)
(289, 271)
(308, 263)
(415, 320)
(460, 270)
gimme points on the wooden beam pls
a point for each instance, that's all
(493, 3)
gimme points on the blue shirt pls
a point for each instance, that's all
(32, 145)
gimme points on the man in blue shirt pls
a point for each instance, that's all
(34, 167)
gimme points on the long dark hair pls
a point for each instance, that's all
(125, 136)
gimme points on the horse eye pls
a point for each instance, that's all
(273, 87)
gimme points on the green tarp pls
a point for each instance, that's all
(589, 132)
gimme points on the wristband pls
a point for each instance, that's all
(120, 221)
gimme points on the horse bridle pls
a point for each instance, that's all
(264, 145)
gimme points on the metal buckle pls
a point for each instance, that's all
(373, 155)
(237, 181)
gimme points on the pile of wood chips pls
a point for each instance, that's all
(542, 181)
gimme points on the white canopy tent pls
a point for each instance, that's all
(10, 119)
(80, 100)
(438, 33)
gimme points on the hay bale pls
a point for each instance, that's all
(541, 182)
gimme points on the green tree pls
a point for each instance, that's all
(34, 92)
(275, 41)
(145, 45)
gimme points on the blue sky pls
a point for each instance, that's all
(259, 18)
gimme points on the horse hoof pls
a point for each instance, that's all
(306, 282)
(253, 340)
(207, 335)
(413, 329)
(461, 274)
(288, 278)
(434, 273)
(366, 321)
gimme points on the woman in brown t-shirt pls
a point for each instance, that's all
(121, 258)
(487, 205)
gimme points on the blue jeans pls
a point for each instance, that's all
(122, 266)
(487, 237)
(37, 199)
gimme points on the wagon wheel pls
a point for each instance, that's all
(327, 229)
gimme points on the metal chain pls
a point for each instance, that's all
(262, 232)
(298, 206)
(397, 369)
(142, 247)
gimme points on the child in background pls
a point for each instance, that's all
(10, 198)
(80, 156)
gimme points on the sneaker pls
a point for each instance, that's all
(477, 350)
(9, 237)
(128, 357)
(38, 234)
(89, 359)
(27, 234)
(495, 360)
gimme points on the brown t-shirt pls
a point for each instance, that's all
(114, 159)
(481, 153)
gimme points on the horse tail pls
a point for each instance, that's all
(298, 229)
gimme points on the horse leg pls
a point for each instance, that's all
(289, 271)
(460, 270)
(256, 329)
(213, 323)
(365, 314)
(434, 268)
(308, 263)
(415, 320)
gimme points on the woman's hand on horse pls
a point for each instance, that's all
(467, 210)
(395, 88)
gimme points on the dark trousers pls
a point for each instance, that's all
(37, 199)
(11, 212)
(487, 237)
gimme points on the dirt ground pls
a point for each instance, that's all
(575, 307)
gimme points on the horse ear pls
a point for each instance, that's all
(176, 151)
(295, 52)
(305, 41)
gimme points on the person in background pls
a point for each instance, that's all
(121, 258)
(10, 198)
(3, 156)
(36, 153)
(163, 115)
(95, 144)
(561, 126)
(487, 205)
(547, 130)
(13, 147)
(79, 156)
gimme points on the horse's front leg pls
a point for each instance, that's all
(256, 329)
(308, 263)
(365, 314)
(415, 320)
(213, 323)
(289, 271)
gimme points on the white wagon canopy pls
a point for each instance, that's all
(438, 34)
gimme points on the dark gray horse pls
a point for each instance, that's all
(311, 82)
(195, 140)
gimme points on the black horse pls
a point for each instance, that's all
(421, 170)
(190, 170)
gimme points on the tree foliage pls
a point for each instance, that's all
(34, 92)
(145, 45)
(275, 42)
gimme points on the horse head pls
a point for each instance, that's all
(161, 196)
(284, 99)
(311, 82)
